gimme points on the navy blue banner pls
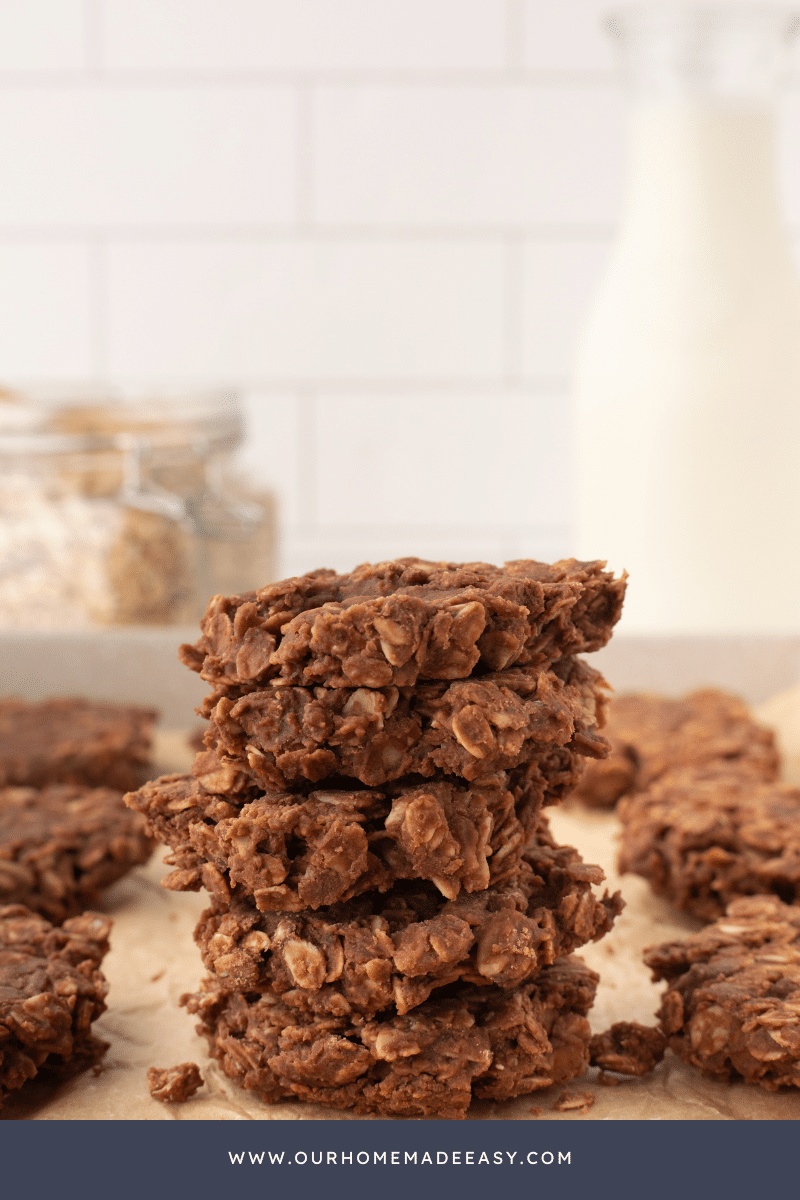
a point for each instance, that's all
(392, 1160)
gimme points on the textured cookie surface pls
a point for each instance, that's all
(74, 741)
(294, 849)
(732, 1004)
(174, 1085)
(61, 846)
(652, 735)
(703, 836)
(395, 949)
(483, 1042)
(282, 736)
(393, 623)
(51, 990)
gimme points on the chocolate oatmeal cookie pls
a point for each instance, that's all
(732, 1004)
(280, 736)
(368, 954)
(294, 850)
(651, 735)
(74, 741)
(703, 836)
(51, 989)
(61, 846)
(481, 1042)
(394, 623)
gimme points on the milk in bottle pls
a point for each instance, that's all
(687, 394)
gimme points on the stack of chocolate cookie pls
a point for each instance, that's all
(391, 920)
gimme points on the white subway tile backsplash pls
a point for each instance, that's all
(106, 156)
(306, 309)
(42, 35)
(475, 461)
(382, 222)
(303, 35)
(567, 35)
(560, 279)
(45, 312)
(468, 155)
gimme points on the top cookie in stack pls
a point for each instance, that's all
(398, 622)
(350, 674)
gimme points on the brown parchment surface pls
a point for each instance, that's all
(153, 961)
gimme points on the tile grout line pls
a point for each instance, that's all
(355, 234)
(312, 388)
(96, 74)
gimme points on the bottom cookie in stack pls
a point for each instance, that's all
(468, 1043)
(404, 1003)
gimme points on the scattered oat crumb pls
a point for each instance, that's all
(580, 1101)
(536, 1111)
(606, 1080)
(158, 975)
(173, 1085)
(628, 1047)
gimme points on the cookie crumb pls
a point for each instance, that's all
(174, 1085)
(536, 1111)
(606, 1080)
(578, 1101)
(628, 1048)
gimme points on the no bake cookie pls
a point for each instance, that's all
(703, 836)
(74, 741)
(51, 990)
(395, 949)
(294, 850)
(282, 736)
(732, 1004)
(393, 623)
(61, 846)
(651, 735)
(472, 1042)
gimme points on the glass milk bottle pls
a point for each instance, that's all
(687, 395)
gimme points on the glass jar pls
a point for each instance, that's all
(124, 510)
(687, 389)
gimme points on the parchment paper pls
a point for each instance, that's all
(153, 960)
